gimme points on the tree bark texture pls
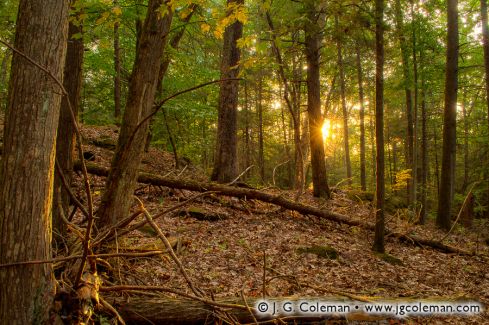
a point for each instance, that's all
(117, 197)
(65, 139)
(312, 47)
(449, 120)
(27, 166)
(379, 127)
(225, 161)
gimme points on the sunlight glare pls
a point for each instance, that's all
(325, 128)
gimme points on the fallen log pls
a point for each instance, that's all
(253, 194)
(146, 310)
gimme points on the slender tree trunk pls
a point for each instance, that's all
(372, 141)
(293, 107)
(27, 164)
(379, 126)
(424, 151)
(247, 134)
(286, 147)
(394, 160)
(437, 164)
(414, 172)
(225, 162)
(121, 182)
(65, 139)
(485, 44)
(3, 79)
(450, 119)
(409, 99)
(346, 140)
(170, 137)
(174, 42)
(363, 174)
(117, 68)
(312, 41)
(466, 142)
(389, 157)
(259, 105)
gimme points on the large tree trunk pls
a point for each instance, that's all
(363, 173)
(144, 310)
(27, 166)
(117, 197)
(65, 139)
(449, 120)
(312, 42)
(379, 126)
(409, 99)
(226, 162)
(346, 140)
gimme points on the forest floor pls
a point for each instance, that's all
(226, 256)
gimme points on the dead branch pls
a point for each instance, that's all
(168, 247)
(277, 200)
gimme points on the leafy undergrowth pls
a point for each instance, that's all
(226, 255)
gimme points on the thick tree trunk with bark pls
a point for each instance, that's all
(121, 182)
(449, 120)
(379, 126)
(363, 173)
(312, 42)
(27, 166)
(65, 140)
(346, 140)
(225, 161)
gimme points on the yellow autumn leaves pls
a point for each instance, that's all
(234, 12)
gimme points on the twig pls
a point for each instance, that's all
(74, 257)
(181, 172)
(336, 292)
(144, 222)
(112, 310)
(459, 212)
(275, 168)
(248, 306)
(239, 176)
(157, 107)
(168, 247)
(68, 189)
